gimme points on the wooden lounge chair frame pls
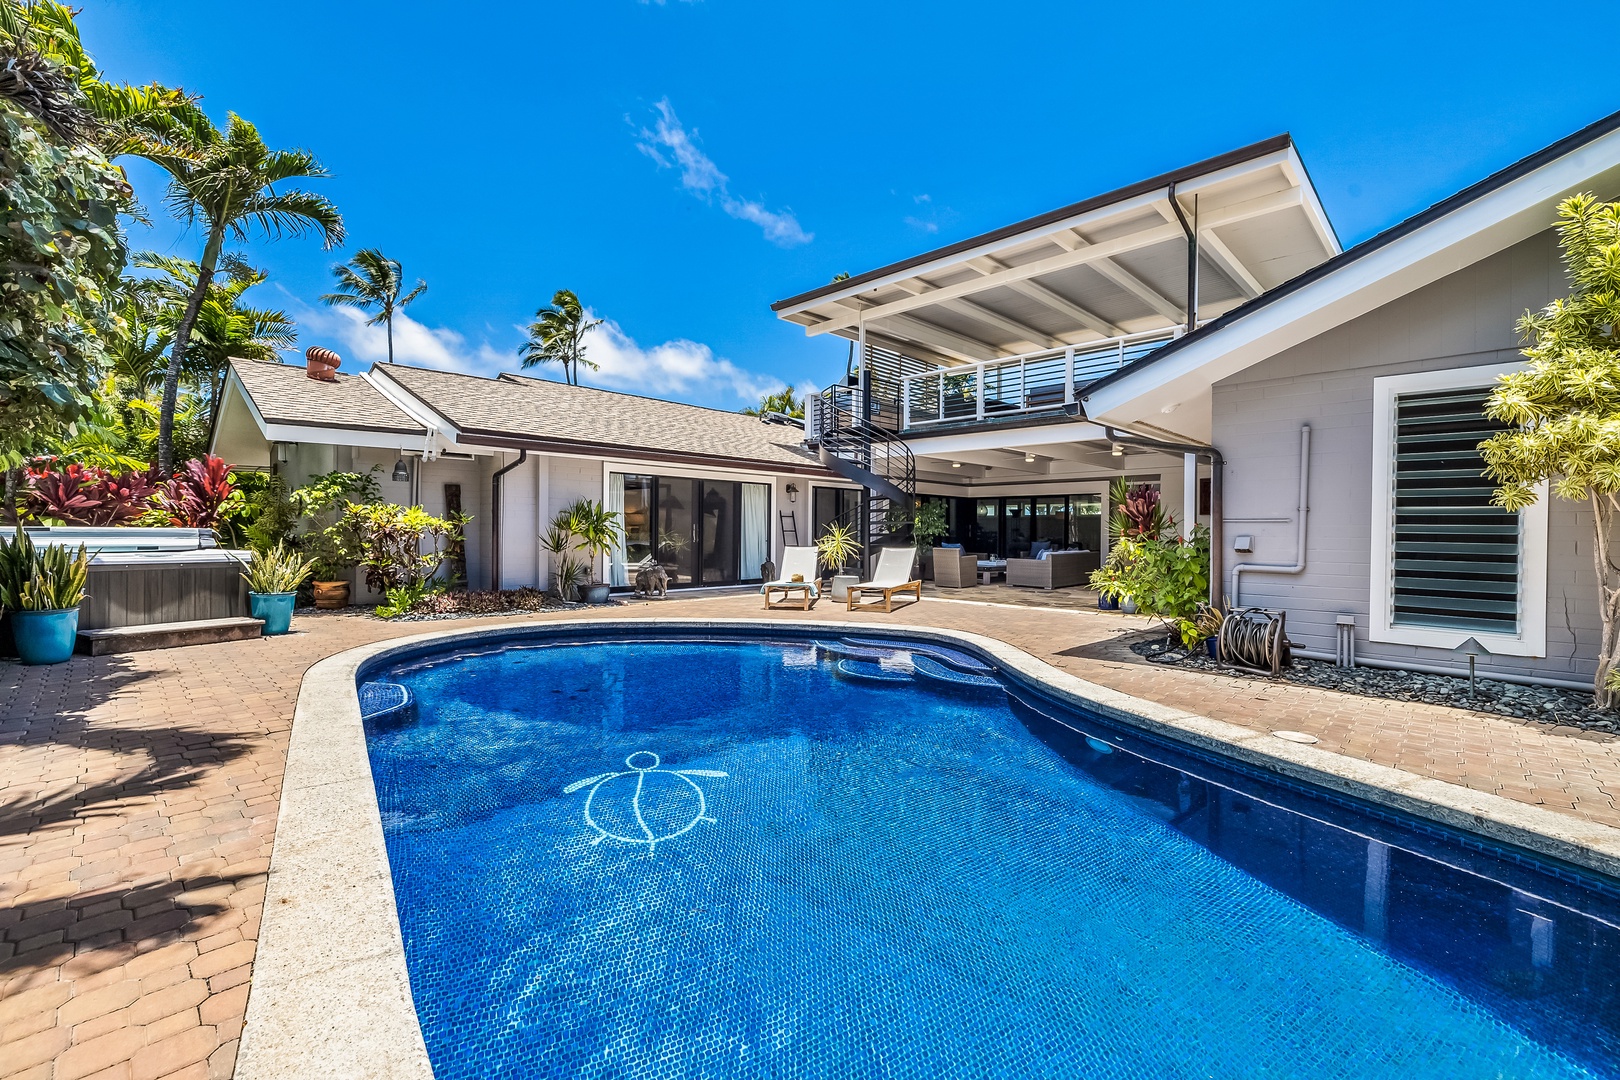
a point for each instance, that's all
(913, 586)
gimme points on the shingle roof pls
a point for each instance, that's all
(519, 409)
(284, 394)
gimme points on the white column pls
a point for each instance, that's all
(542, 515)
(1189, 493)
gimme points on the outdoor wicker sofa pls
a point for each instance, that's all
(1059, 570)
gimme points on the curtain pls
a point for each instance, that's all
(755, 530)
(618, 574)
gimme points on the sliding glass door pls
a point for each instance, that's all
(702, 532)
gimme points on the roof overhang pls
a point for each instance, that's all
(1111, 265)
(1170, 389)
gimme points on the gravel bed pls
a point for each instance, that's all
(1533, 704)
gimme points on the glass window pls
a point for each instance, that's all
(638, 522)
(987, 526)
(1085, 522)
(1018, 515)
(1050, 515)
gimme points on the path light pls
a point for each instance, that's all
(1471, 648)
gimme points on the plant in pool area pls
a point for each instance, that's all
(41, 578)
(1564, 408)
(200, 496)
(77, 494)
(577, 538)
(1138, 511)
(837, 546)
(389, 542)
(402, 599)
(1168, 578)
(276, 570)
(925, 520)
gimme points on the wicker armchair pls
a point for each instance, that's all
(955, 569)
(1059, 570)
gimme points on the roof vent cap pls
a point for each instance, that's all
(321, 363)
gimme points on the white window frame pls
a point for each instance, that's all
(1531, 639)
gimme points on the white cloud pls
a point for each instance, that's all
(919, 223)
(684, 369)
(671, 146)
(679, 369)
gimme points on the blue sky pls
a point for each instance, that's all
(681, 165)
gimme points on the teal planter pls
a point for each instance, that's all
(45, 637)
(275, 608)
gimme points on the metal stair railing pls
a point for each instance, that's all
(855, 446)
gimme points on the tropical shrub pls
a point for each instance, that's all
(837, 546)
(926, 520)
(1137, 511)
(77, 494)
(389, 541)
(1168, 578)
(41, 578)
(199, 496)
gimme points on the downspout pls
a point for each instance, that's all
(1304, 509)
(1217, 497)
(495, 520)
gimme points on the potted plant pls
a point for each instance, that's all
(332, 559)
(42, 588)
(272, 579)
(577, 538)
(837, 546)
(1207, 625)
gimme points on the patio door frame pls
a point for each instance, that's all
(698, 477)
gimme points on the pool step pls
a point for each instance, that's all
(953, 658)
(934, 670)
(844, 650)
(385, 701)
(870, 672)
(169, 635)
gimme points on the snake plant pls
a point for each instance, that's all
(41, 579)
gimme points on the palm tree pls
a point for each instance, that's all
(372, 280)
(233, 184)
(557, 336)
(782, 402)
(225, 327)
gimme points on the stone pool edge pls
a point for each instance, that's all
(331, 993)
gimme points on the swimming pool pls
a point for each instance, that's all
(673, 858)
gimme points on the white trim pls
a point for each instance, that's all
(1531, 640)
(1473, 231)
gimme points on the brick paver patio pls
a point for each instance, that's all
(138, 799)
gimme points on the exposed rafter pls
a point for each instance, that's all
(1034, 290)
(1230, 264)
(1020, 331)
(1122, 277)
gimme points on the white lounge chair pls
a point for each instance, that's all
(801, 594)
(893, 575)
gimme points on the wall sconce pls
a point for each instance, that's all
(793, 492)
(402, 471)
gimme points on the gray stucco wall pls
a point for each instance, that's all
(1461, 321)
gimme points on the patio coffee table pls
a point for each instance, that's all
(989, 568)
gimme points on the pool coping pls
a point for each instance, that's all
(345, 1009)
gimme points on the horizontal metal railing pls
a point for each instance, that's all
(1017, 385)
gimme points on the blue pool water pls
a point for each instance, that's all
(754, 859)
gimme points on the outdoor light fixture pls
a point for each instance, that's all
(956, 464)
(1119, 449)
(1029, 457)
(402, 471)
(793, 492)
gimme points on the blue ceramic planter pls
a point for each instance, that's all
(275, 608)
(1107, 603)
(45, 637)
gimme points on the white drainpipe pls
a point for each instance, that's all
(1298, 565)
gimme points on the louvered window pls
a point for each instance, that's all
(1456, 557)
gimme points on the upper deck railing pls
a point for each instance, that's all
(1018, 385)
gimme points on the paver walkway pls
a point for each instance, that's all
(138, 799)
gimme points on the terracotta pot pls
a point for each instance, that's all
(330, 595)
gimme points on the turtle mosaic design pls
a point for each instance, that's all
(614, 789)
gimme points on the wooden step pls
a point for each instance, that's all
(169, 635)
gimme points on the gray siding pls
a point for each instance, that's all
(1464, 320)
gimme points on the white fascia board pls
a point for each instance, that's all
(326, 436)
(1008, 438)
(232, 382)
(1140, 202)
(1294, 167)
(1489, 224)
(410, 404)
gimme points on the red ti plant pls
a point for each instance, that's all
(198, 495)
(85, 495)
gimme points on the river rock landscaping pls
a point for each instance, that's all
(1533, 704)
